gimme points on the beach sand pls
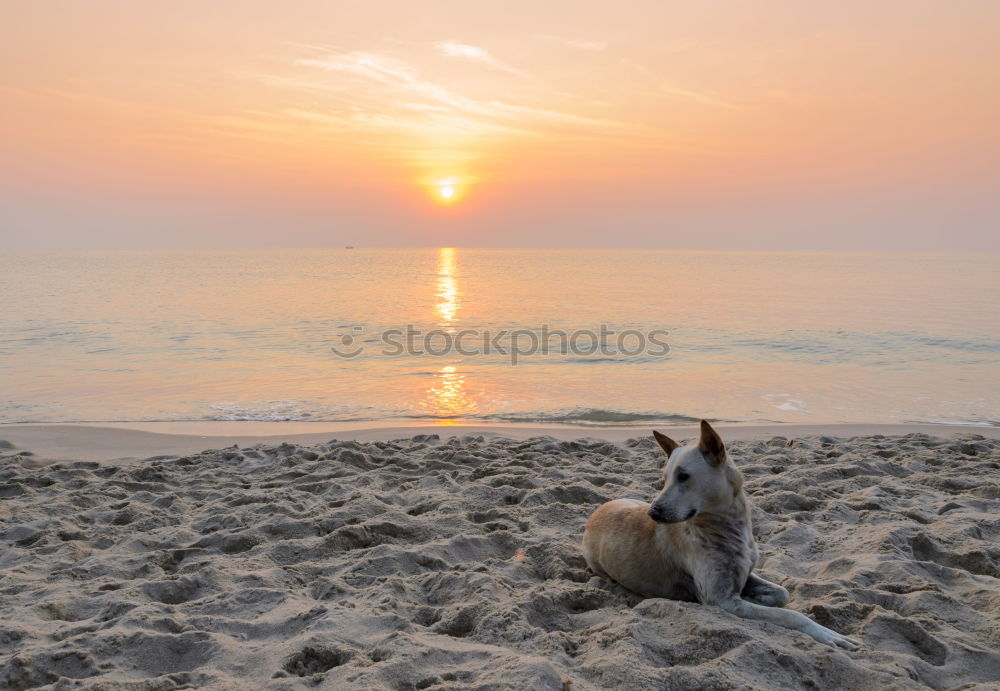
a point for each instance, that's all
(454, 563)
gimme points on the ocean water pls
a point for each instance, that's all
(88, 336)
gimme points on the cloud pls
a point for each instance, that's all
(390, 95)
(696, 96)
(579, 44)
(453, 49)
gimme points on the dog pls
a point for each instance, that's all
(694, 542)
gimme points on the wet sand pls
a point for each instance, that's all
(81, 442)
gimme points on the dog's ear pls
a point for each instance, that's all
(665, 442)
(710, 444)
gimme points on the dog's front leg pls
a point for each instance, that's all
(763, 592)
(789, 619)
(716, 586)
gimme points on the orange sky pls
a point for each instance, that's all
(710, 124)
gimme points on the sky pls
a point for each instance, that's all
(718, 125)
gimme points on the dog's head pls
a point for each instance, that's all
(698, 478)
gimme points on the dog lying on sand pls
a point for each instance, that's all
(694, 542)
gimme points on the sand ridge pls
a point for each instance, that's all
(425, 563)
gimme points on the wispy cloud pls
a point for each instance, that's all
(390, 94)
(454, 49)
(702, 97)
(579, 44)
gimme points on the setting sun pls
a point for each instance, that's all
(446, 190)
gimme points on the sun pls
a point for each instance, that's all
(447, 191)
(450, 189)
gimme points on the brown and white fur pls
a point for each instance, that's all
(694, 542)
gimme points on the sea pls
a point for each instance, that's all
(448, 336)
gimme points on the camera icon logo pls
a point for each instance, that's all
(347, 348)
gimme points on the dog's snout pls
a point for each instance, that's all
(669, 514)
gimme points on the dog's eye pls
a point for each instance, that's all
(682, 476)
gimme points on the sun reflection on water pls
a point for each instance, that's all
(447, 287)
(447, 398)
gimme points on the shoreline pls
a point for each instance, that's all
(51, 442)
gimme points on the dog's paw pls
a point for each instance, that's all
(834, 639)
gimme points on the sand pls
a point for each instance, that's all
(454, 563)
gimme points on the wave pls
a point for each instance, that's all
(287, 411)
(594, 416)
